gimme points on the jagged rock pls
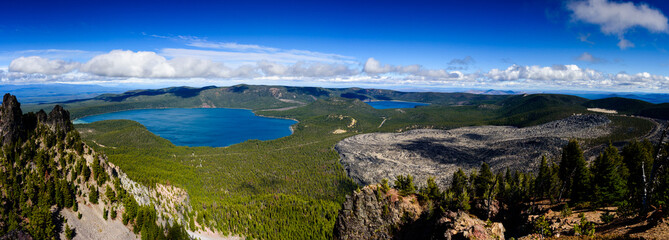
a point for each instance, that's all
(11, 123)
(41, 116)
(370, 214)
(59, 119)
(16, 235)
(480, 209)
(365, 216)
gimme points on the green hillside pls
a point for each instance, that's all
(622, 105)
(293, 187)
(632, 106)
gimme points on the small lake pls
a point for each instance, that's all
(214, 127)
(395, 104)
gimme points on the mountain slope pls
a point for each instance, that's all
(46, 171)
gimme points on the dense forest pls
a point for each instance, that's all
(293, 187)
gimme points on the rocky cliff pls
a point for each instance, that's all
(14, 125)
(11, 120)
(371, 214)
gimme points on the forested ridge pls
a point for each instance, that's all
(45, 167)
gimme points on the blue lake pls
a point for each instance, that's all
(395, 104)
(215, 127)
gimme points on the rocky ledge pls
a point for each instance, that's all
(371, 214)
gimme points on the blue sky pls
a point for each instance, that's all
(519, 45)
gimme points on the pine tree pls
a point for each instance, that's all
(69, 232)
(609, 183)
(41, 226)
(638, 158)
(405, 185)
(459, 182)
(572, 156)
(463, 201)
(484, 180)
(431, 191)
(93, 195)
(581, 189)
(111, 195)
(544, 181)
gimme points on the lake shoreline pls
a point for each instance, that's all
(203, 127)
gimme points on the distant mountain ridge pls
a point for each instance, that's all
(262, 97)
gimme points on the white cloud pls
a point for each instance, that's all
(624, 43)
(302, 69)
(119, 63)
(553, 73)
(587, 57)
(615, 18)
(66, 54)
(35, 64)
(146, 68)
(373, 66)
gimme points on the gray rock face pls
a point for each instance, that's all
(368, 214)
(59, 119)
(41, 116)
(11, 123)
(368, 158)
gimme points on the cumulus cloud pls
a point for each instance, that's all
(35, 64)
(129, 67)
(303, 69)
(143, 64)
(119, 63)
(587, 57)
(555, 72)
(615, 18)
(373, 66)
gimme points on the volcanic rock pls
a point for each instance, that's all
(11, 123)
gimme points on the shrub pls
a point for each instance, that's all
(607, 217)
(69, 232)
(541, 226)
(585, 227)
(566, 210)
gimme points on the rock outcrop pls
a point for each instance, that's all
(14, 124)
(371, 214)
(16, 235)
(59, 118)
(11, 117)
